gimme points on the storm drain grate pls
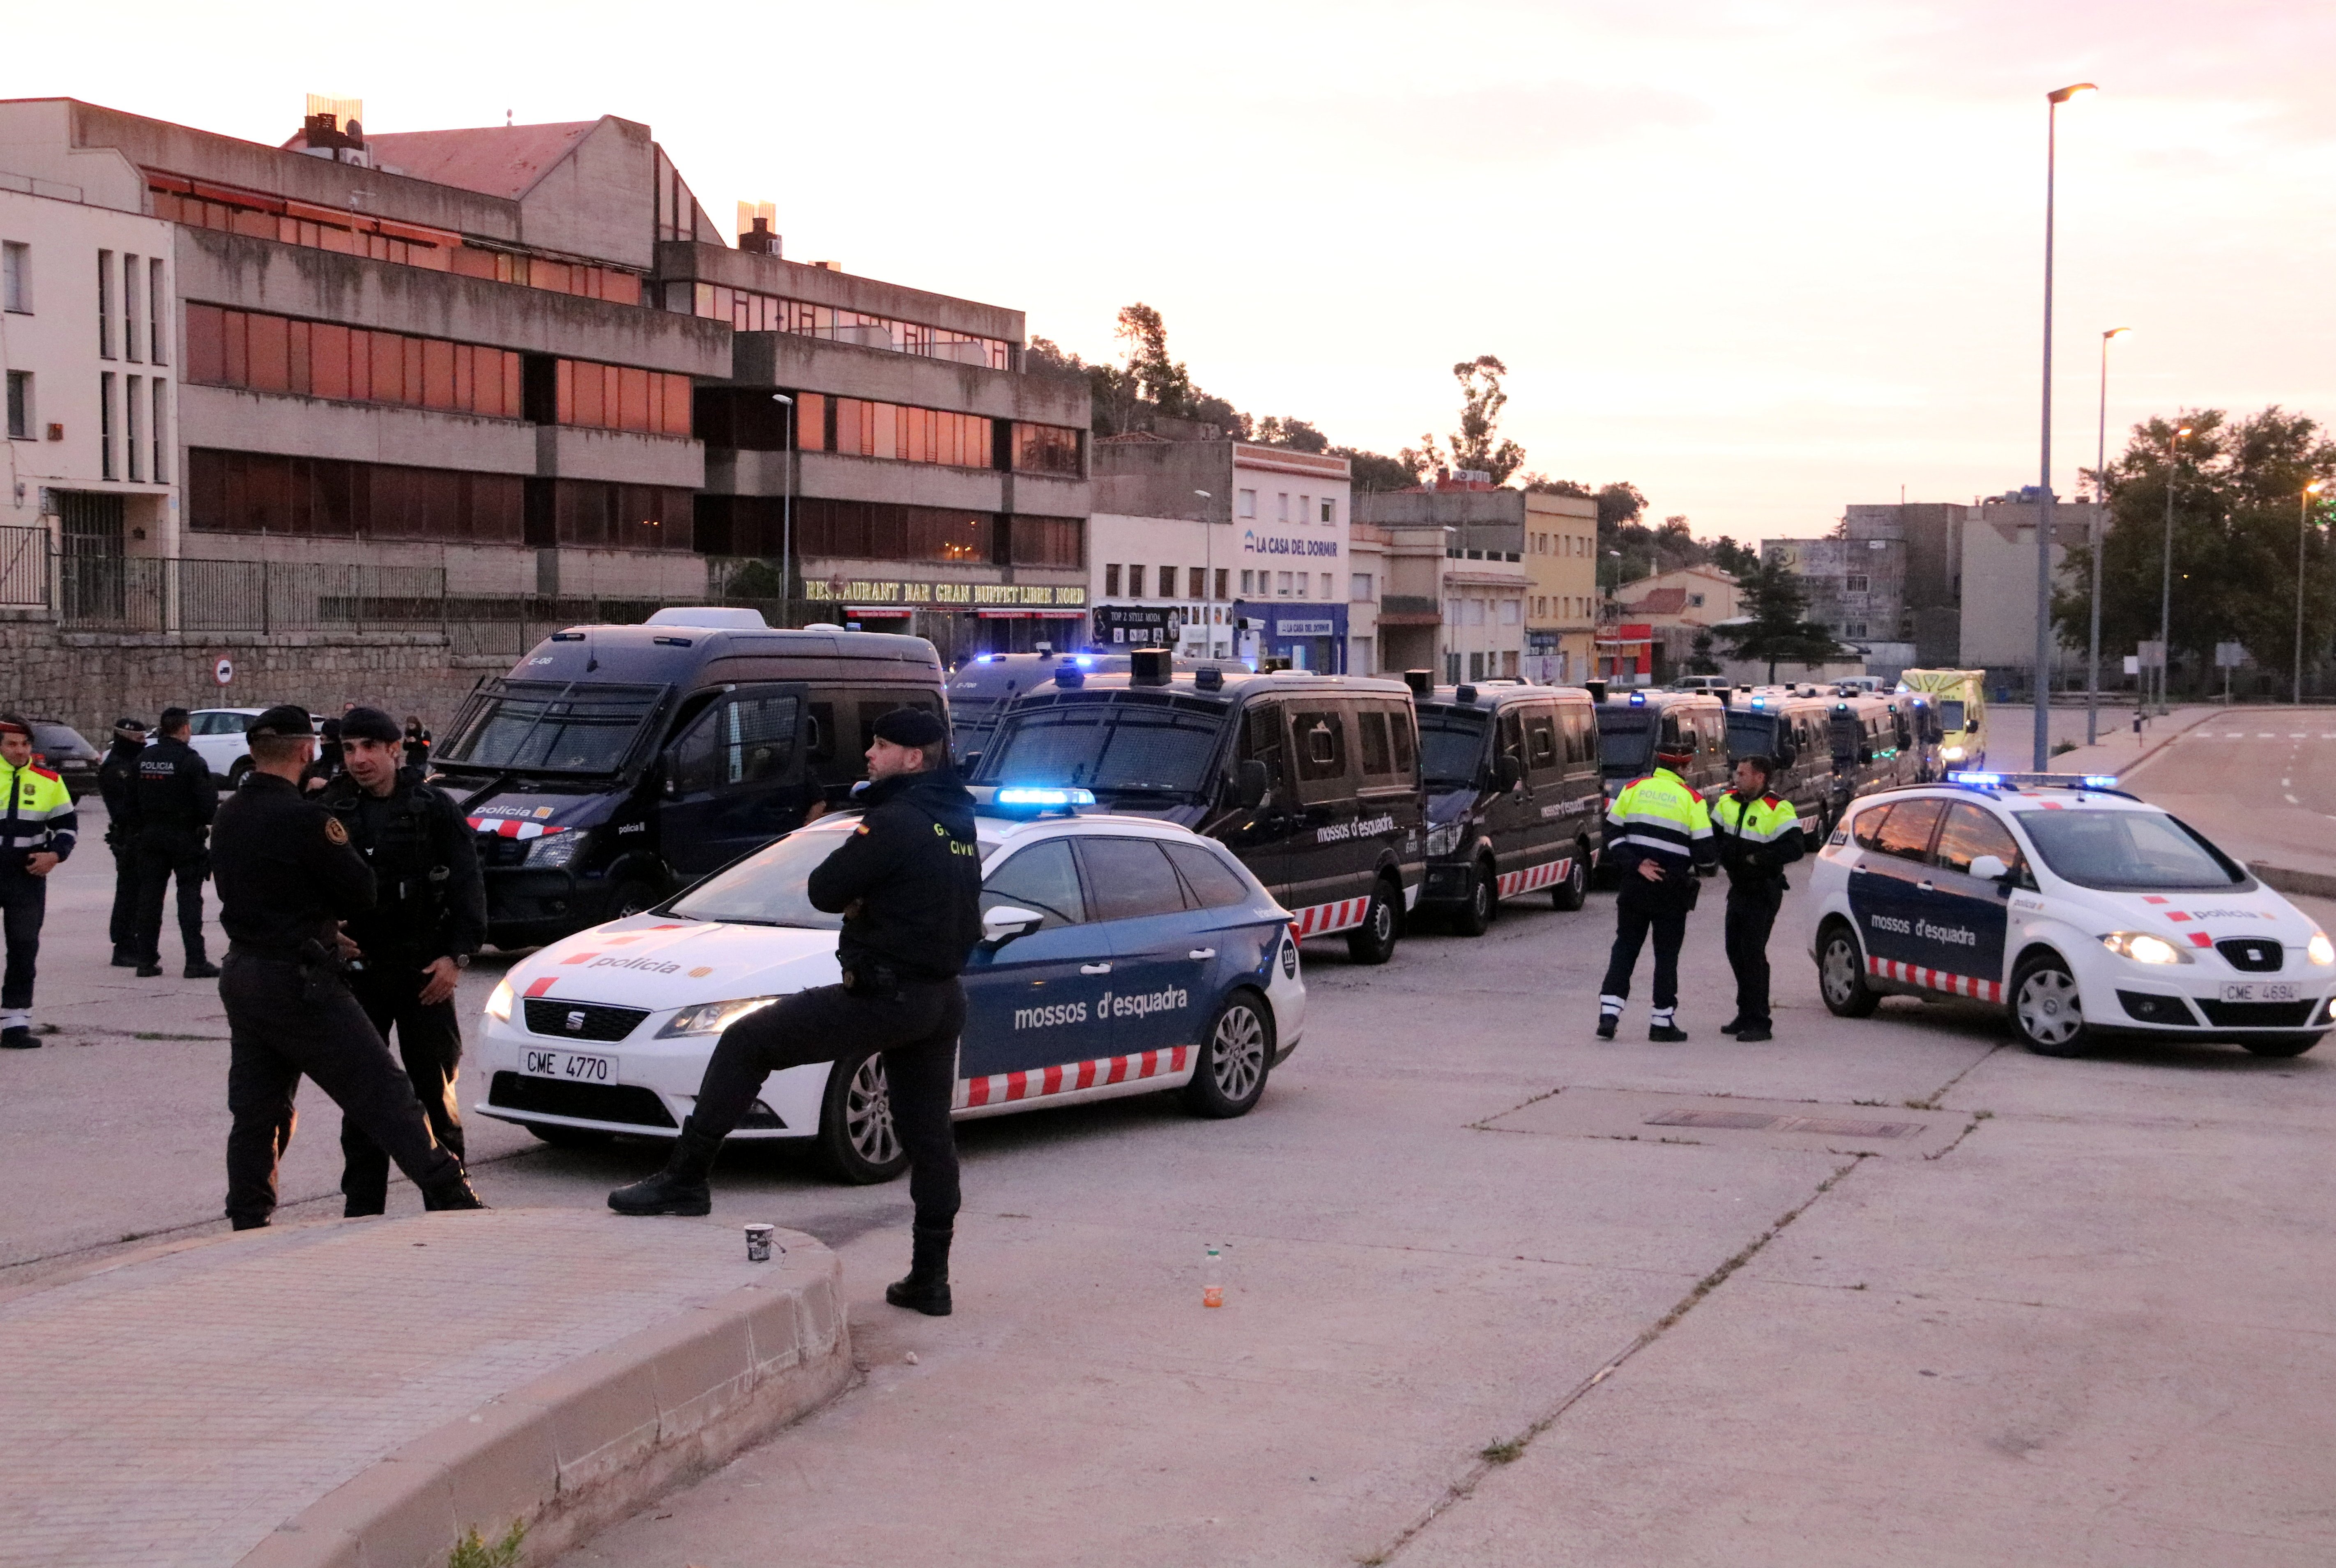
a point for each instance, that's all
(1756, 1122)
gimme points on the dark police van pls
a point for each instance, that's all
(980, 689)
(1874, 745)
(1795, 733)
(1697, 722)
(1515, 802)
(615, 764)
(1312, 780)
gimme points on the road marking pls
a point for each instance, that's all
(2287, 783)
(2292, 801)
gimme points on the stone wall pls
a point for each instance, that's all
(89, 678)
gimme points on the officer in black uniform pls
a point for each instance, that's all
(428, 915)
(176, 799)
(908, 882)
(287, 876)
(117, 781)
(1759, 835)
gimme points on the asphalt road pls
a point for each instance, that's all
(2259, 781)
(1973, 1305)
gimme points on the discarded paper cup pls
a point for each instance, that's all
(758, 1243)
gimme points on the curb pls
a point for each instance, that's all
(587, 1446)
(2139, 757)
(2312, 884)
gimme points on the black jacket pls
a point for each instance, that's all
(176, 791)
(117, 781)
(285, 870)
(907, 879)
(432, 900)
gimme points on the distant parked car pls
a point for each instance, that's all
(217, 736)
(61, 749)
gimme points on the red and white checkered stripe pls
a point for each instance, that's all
(1935, 979)
(1321, 919)
(1532, 878)
(511, 827)
(1004, 1088)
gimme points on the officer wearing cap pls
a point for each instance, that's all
(176, 799)
(37, 829)
(1659, 837)
(1759, 835)
(428, 915)
(287, 875)
(908, 882)
(117, 781)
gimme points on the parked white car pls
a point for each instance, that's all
(217, 736)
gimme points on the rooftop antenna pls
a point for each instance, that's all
(507, 119)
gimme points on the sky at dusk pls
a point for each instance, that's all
(1760, 260)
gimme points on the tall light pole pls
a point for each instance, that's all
(1208, 574)
(2043, 680)
(2165, 575)
(787, 518)
(2302, 515)
(2100, 499)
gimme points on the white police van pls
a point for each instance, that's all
(2082, 912)
(1120, 955)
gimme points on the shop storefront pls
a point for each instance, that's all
(959, 618)
(1293, 636)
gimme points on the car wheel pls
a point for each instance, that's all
(1474, 918)
(1374, 941)
(1575, 891)
(630, 897)
(238, 772)
(1235, 1055)
(560, 1138)
(857, 1140)
(2280, 1045)
(1841, 975)
(2046, 1010)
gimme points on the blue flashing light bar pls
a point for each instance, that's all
(1045, 799)
(1638, 699)
(989, 658)
(2091, 781)
(1759, 702)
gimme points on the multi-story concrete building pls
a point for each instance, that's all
(1562, 604)
(1999, 588)
(1930, 571)
(1454, 552)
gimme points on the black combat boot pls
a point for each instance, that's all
(202, 969)
(18, 1037)
(451, 1193)
(123, 958)
(926, 1288)
(1607, 1024)
(1667, 1033)
(148, 969)
(680, 1188)
(1732, 1025)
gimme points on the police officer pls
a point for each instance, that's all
(287, 874)
(38, 828)
(176, 798)
(117, 781)
(1759, 835)
(428, 915)
(1658, 836)
(908, 882)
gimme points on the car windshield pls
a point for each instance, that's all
(1451, 747)
(768, 888)
(1751, 735)
(1106, 745)
(2145, 850)
(537, 726)
(1950, 714)
(1625, 741)
(58, 740)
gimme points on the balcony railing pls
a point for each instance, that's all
(25, 568)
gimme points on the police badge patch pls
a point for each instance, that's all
(335, 832)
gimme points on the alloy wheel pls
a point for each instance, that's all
(1237, 1052)
(868, 1114)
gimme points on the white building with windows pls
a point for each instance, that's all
(87, 313)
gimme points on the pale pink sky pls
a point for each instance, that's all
(1761, 259)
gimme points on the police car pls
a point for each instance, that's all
(2082, 912)
(1119, 956)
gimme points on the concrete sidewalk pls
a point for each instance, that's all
(360, 1392)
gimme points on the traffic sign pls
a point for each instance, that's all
(223, 671)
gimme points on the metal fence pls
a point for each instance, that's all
(25, 568)
(134, 593)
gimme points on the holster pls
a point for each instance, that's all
(872, 982)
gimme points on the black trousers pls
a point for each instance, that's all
(1641, 907)
(1751, 912)
(430, 1043)
(123, 924)
(916, 1030)
(23, 901)
(162, 853)
(285, 1021)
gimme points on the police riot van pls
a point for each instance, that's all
(1312, 780)
(1794, 734)
(1631, 728)
(1873, 747)
(615, 764)
(980, 689)
(1515, 798)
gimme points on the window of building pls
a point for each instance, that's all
(20, 406)
(1475, 666)
(106, 303)
(1471, 612)
(130, 290)
(1249, 584)
(1855, 583)
(262, 353)
(105, 424)
(1359, 588)
(1135, 582)
(1224, 575)
(16, 277)
(1245, 504)
(134, 390)
(1167, 581)
(158, 314)
(159, 426)
(1329, 509)
(1852, 628)
(1281, 585)
(600, 396)
(1509, 612)
(1281, 507)
(262, 492)
(1196, 582)
(748, 310)
(1695, 601)
(1111, 581)
(1046, 449)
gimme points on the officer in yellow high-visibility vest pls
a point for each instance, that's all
(1759, 836)
(36, 833)
(1658, 836)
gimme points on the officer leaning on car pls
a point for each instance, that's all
(37, 829)
(908, 882)
(1759, 835)
(288, 875)
(428, 915)
(1659, 838)
(117, 781)
(176, 799)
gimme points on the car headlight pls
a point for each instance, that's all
(499, 1002)
(1950, 753)
(712, 1018)
(1443, 841)
(2144, 949)
(554, 848)
(2320, 950)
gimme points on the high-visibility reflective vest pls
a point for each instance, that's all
(1659, 815)
(1761, 821)
(36, 813)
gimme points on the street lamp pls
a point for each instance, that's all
(2100, 499)
(1208, 574)
(2165, 575)
(2303, 512)
(787, 518)
(2044, 506)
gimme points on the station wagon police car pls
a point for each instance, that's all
(1119, 956)
(2081, 911)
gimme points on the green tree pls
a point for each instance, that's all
(1283, 429)
(1375, 470)
(1734, 560)
(1481, 402)
(1700, 659)
(1778, 630)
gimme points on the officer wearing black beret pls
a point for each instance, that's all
(117, 781)
(428, 915)
(287, 875)
(908, 883)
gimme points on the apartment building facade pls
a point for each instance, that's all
(1458, 584)
(1561, 603)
